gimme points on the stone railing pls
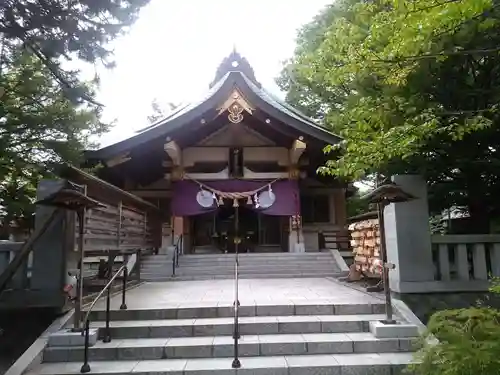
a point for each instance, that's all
(8, 250)
(466, 258)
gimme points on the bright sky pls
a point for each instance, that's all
(172, 52)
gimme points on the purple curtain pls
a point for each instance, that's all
(286, 204)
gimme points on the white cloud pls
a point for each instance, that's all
(173, 50)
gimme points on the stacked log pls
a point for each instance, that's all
(365, 245)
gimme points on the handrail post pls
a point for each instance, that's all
(236, 361)
(107, 333)
(173, 261)
(77, 318)
(177, 250)
(124, 285)
(107, 330)
(86, 367)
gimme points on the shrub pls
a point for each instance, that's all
(469, 343)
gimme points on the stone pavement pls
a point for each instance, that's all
(159, 295)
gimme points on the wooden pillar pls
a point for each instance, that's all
(340, 207)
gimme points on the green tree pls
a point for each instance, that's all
(58, 30)
(412, 86)
(47, 115)
(40, 127)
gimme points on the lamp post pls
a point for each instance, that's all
(383, 196)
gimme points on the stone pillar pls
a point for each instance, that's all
(52, 249)
(408, 237)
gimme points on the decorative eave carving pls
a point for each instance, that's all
(235, 104)
(296, 151)
(174, 151)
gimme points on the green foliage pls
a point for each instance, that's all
(40, 127)
(60, 29)
(468, 343)
(495, 285)
(47, 115)
(413, 87)
(356, 205)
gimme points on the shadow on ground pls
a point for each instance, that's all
(18, 330)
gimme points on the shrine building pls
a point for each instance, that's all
(238, 165)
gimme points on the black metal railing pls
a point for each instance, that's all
(107, 331)
(236, 332)
(177, 254)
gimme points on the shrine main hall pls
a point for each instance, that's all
(240, 165)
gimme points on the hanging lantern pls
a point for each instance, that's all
(249, 200)
(235, 203)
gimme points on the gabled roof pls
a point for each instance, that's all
(234, 72)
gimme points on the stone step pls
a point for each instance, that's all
(249, 255)
(260, 325)
(338, 364)
(309, 275)
(242, 263)
(223, 346)
(242, 270)
(347, 312)
(183, 262)
(258, 255)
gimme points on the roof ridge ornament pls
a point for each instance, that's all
(235, 104)
(235, 63)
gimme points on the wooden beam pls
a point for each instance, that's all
(296, 151)
(174, 151)
(117, 160)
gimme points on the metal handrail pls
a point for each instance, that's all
(107, 336)
(236, 333)
(175, 256)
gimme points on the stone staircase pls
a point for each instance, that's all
(320, 338)
(251, 266)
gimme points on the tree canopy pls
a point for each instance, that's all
(412, 86)
(47, 114)
(58, 30)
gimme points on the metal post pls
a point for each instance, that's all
(107, 330)
(86, 367)
(124, 285)
(80, 214)
(236, 361)
(385, 267)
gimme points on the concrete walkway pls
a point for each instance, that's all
(158, 295)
